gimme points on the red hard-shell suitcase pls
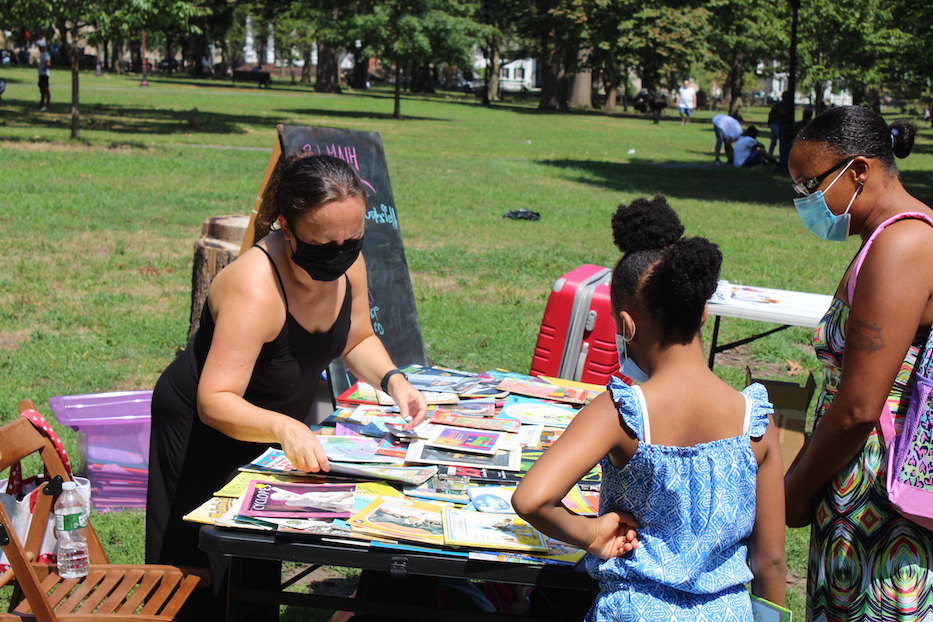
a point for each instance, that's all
(577, 336)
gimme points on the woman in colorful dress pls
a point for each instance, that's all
(694, 462)
(866, 562)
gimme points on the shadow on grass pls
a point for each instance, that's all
(680, 179)
(357, 114)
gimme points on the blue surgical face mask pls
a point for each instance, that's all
(626, 365)
(817, 218)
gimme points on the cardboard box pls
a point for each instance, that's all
(791, 402)
(114, 431)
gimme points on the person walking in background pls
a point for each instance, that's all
(867, 562)
(686, 102)
(689, 462)
(776, 117)
(728, 130)
(45, 63)
(749, 152)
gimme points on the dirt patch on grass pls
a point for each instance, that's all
(741, 357)
(38, 145)
(12, 340)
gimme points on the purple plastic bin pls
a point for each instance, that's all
(114, 431)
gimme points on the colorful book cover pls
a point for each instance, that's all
(441, 488)
(538, 412)
(578, 503)
(211, 510)
(274, 461)
(443, 417)
(463, 439)
(351, 449)
(766, 611)
(493, 499)
(401, 519)
(491, 531)
(545, 391)
(392, 446)
(481, 407)
(296, 500)
(240, 482)
(418, 451)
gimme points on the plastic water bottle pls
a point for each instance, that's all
(71, 517)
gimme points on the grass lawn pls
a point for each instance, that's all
(98, 233)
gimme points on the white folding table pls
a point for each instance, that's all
(778, 306)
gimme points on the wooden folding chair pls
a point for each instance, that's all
(108, 592)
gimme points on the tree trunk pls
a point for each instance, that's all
(75, 76)
(820, 105)
(612, 87)
(397, 113)
(554, 91)
(218, 246)
(423, 79)
(493, 65)
(328, 70)
(736, 79)
(581, 94)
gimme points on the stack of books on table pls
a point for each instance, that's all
(445, 484)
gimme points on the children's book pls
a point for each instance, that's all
(240, 482)
(766, 611)
(481, 407)
(392, 446)
(443, 417)
(363, 393)
(493, 499)
(441, 488)
(463, 439)
(419, 452)
(352, 449)
(592, 389)
(401, 519)
(211, 510)
(280, 500)
(578, 503)
(545, 391)
(491, 531)
(534, 411)
(274, 461)
(559, 554)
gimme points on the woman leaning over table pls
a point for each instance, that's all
(866, 561)
(273, 320)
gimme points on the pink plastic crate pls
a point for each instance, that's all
(115, 440)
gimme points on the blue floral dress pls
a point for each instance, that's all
(696, 507)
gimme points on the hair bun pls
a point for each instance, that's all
(902, 138)
(645, 224)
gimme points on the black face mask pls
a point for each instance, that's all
(326, 262)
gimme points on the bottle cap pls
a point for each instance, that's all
(69, 485)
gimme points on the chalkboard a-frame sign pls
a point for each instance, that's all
(391, 302)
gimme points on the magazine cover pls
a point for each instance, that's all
(493, 499)
(240, 482)
(495, 531)
(402, 519)
(442, 417)
(418, 451)
(569, 395)
(463, 439)
(211, 510)
(286, 500)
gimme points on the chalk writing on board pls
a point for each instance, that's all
(384, 214)
(347, 154)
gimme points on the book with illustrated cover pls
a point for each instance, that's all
(274, 461)
(491, 531)
(493, 499)
(463, 439)
(240, 482)
(401, 519)
(535, 411)
(297, 500)
(442, 417)
(592, 389)
(353, 449)
(418, 451)
(362, 393)
(392, 446)
(212, 510)
(558, 554)
(480, 407)
(569, 395)
(579, 503)
(766, 611)
(441, 488)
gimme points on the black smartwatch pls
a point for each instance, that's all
(385, 379)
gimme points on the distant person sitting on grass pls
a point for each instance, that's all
(749, 152)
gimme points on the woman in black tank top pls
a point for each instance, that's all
(273, 321)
